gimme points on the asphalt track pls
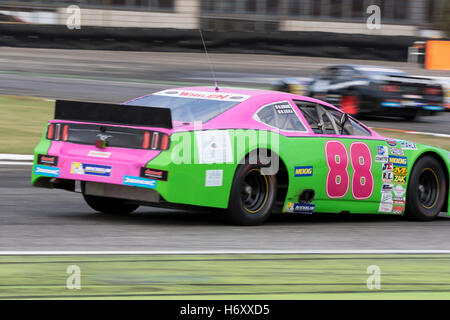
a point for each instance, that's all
(38, 219)
(34, 219)
(115, 76)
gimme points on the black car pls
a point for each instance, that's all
(360, 89)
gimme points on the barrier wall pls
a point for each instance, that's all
(316, 44)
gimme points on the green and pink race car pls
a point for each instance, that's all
(246, 152)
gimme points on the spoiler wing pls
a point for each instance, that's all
(113, 113)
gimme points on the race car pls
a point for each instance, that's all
(359, 89)
(244, 152)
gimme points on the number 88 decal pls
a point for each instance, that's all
(338, 177)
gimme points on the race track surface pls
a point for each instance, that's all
(34, 219)
(117, 76)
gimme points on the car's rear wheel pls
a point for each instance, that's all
(252, 195)
(411, 116)
(427, 189)
(108, 205)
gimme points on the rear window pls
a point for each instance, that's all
(190, 106)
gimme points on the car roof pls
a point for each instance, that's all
(366, 68)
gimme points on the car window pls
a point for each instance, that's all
(344, 74)
(280, 115)
(326, 120)
(326, 74)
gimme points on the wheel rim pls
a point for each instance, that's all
(254, 191)
(428, 190)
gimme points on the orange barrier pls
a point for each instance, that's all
(437, 55)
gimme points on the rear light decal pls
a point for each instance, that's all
(164, 142)
(65, 135)
(50, 131)
(90, 169)
(139, 182)
(155, 140)
(57, 131)
(46, 171)
(106, 136)
(47, 160)
(150, 173)
(146, 141)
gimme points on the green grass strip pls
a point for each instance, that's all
(283, 276)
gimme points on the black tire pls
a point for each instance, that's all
(109, 205)
(252, 196)
(411, 117)
(427, 189)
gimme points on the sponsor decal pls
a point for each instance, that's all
(203, 95)
(388, 167)
(400, 171)
(400, 179)
(386, 197)
(90, 169)
(214, 146)
(383, 159)
(385, 207)
(304, 171)
(391, 142)
(395, 198)
(382, 150)
(398, 161)
(46, 171)
(139, 182)
(294, 207)
(214, 178)
(388, 177)
(47, 160)
(399, 191)
(99, 154)
(399, 202)
(156, 174)
(283, 108)
(387, 187)
(406, 145)
(396, 151)
(398, 209)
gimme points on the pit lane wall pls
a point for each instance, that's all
(314, 44)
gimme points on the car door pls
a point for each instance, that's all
(349, 164)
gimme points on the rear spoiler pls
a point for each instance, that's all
(113, 114)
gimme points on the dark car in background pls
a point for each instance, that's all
(359, 89)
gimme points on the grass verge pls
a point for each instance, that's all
(22, 122)
(283, 276)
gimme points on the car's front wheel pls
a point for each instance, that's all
(427, 189)
(252, 195)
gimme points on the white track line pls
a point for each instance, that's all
(15, 163)
(10, 156)
(206, 252)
